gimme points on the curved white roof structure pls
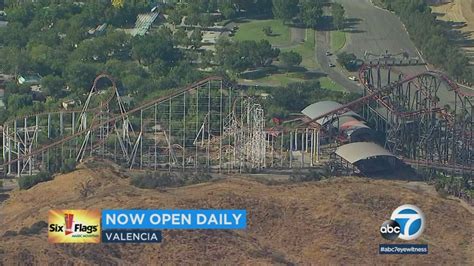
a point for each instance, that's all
(316, 109)
(354, 152)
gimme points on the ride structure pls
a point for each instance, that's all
(426, 120)
(208, 124)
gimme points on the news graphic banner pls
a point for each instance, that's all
(174, 219)
(407, 222)
(135, 226)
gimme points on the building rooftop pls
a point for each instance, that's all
(317, 109)
(143, 23)
(354, 152)
(33, 78)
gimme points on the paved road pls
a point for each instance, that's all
(336, 74)
(376, 30)
(370, 29)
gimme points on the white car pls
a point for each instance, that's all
(353, 78)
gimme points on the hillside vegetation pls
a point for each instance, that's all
(431, 37)
(334, 221)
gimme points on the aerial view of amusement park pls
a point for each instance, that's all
(236, 132)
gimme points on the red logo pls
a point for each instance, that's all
(68, 220)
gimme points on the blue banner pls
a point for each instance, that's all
(174, 219)
(131, 236)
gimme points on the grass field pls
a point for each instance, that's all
(306, 50)
(330, 84)
(253, 30)
(282, 79)
(338, 40)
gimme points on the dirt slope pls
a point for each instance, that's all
(324, 222)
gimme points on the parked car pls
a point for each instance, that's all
(353, 78)
(328, 53)
(331, 65)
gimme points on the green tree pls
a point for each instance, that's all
(9, 35)
(16, 102)
(160, 45)
(53, 86)
(264, 53)
(311, 12)
(238, 56)
(175, 17)
(338, 14)
(196, 38)
(23, 14)
(159, 68)
(206, 20)
(290, 59)
(348, 60)
(80, 76)
(227, 9)
(40, 54)
(285, 9)
(15, 60)
(181, 37)
(192, 18)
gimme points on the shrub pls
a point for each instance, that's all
(349, 61)
(291, 59)
(10, 233)
(24, 231)
(38, 226)
(149, 181)
(69, 165)
(34, 229)
(26, 182)
(267, 30)
(306, 177)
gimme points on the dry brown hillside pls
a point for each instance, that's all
(333, 221)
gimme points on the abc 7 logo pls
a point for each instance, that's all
(407, 222)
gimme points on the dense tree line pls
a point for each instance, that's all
(241, 55)
(296, 96)
(430, 36)
(309, 13)
(199, 11)
(51, 38)
(338, 15)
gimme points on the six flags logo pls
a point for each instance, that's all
(74, 226)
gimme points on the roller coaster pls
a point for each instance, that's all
(212, 124)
